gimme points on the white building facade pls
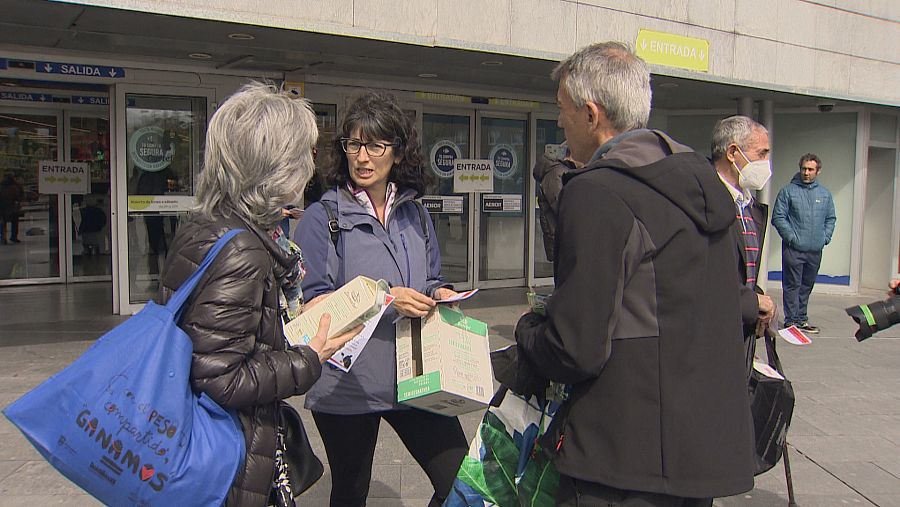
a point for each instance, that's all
(116, 94)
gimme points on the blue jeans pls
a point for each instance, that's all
(798, 275)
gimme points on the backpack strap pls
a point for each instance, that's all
(333, 227)
(423, 219)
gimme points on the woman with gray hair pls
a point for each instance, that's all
(258, 158)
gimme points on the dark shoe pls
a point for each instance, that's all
(807, 328)
(16, 240)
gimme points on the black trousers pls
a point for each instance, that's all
(577, 493)
(437, 443)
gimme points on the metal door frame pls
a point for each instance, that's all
(476, 202)
(67, 204)
(470, 247)
(121, 289)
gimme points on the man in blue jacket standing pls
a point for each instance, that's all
(804, 217)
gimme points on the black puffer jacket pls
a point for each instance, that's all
(240, 359)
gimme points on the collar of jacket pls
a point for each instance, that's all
(285, 263)
(350, 211)
(351, 214)
(798, 180)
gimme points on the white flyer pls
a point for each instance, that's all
(343, 359)
(766, 370)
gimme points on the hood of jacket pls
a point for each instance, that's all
(692, 186)
(798, 180)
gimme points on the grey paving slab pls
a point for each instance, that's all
(415, 483)
(891, 466)
(386, 482)
(395, 502)
(8, 467)
(867, 478)
(846, 430)
(81, 500)
(14, 447)
(37, 478)
(885, 500)
(319, 493)
(842, 448)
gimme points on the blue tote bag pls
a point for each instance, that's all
(122, 421)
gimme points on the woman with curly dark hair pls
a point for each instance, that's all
(369, 224)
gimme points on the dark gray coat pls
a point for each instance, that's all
(240, 359)
(645, 325)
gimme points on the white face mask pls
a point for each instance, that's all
(754, 175)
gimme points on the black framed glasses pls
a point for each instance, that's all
(373, 148)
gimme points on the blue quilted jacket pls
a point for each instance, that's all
(804, 215)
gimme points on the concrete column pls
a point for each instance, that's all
(767, 118)
(745, 106)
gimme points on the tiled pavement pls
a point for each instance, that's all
(845, 437)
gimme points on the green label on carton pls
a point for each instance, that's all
(457, 319)
(419, 386)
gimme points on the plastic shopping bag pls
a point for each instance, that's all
(505, 466)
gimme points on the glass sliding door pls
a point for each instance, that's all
(90, 215)
(30, 235)
(161, 156)
(445, 138)
(501, 237)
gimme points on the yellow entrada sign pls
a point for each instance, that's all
(672, 50)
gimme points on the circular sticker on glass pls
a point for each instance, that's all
(505, 163)
(443, 156)
(151, 148)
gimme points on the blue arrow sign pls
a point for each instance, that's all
(89, 100)
(80, 69)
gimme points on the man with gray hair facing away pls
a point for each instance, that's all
(644, 324)
(740, 152)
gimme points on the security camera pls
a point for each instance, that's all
(825, 106)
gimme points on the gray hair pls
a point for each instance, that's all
(258, 154)
(737, 130)
(611, 76)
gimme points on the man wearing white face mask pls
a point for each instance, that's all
(740, 153)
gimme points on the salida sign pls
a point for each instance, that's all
(79, 69)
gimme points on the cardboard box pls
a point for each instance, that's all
(357, 301)
(444, 363)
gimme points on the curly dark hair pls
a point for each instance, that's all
(379, 118)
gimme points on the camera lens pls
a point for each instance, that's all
(875, 317)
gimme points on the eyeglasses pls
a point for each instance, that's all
(374, 149)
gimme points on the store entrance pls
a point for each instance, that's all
(483, 237)
(55, 230)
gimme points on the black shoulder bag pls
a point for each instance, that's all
(772, 404)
